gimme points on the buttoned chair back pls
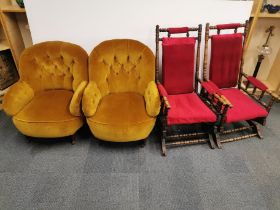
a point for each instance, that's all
(53, 65)
(121, 65)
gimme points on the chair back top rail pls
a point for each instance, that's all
(178, 30)
(234, 26)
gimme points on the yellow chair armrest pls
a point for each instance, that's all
(18, 96)
(75, 104)
(152, 99)
(91, 99)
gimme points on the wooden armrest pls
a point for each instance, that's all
(244, 74)
(166, 102)
(161, 90)
(223, 100)
(269, 92)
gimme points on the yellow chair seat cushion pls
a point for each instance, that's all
(121, 117)
(48, 115)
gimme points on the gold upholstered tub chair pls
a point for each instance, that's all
(121, 101)
(45, 102)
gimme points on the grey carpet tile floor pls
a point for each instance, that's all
(96, 175)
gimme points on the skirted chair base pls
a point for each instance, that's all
(121, 117)
(48, 116)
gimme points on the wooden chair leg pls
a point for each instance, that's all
(222, 129)
(143, 142)
(73, 139)
(218, 142)
(256, 128)
(163, 146)
(28, 139)
(211, 142)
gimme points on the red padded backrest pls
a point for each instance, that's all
(226, 53)
(178, 56)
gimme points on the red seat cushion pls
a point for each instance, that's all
(178, 56)
(226, 52)
(188, 109)
(244, 108)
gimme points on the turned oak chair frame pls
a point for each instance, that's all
(222, 104)
(185, 138)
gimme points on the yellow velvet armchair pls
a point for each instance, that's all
(45, 102)
(121, 101)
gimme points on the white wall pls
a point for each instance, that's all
(88, 22)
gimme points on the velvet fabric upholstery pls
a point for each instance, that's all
(188, 109)
(17, 97)
(152, 99)
(76, 101)
(162, 90)
(226, 52)
(178, 56)
(257, 83)
(45, 102)
(121, 101)
(121, 65)
(121, 117)
(178, 30)
(53, 65)
(211, 87)
(244, 108)
(91, 99)
(48, 116)
(228, 26)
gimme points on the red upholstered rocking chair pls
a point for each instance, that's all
(235, 104)
(181, 105)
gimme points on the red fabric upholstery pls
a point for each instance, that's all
(226, 52)
(162, 90)
(244, 108)
(188, 109)
(228, 26)
(211, 87)
(178, 64)
(178, 30)
(257, 83)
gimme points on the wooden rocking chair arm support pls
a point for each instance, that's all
(166, 102)
(244, 75)
(255, 82)
(273, 96)
(221, 98)
(163, 93)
